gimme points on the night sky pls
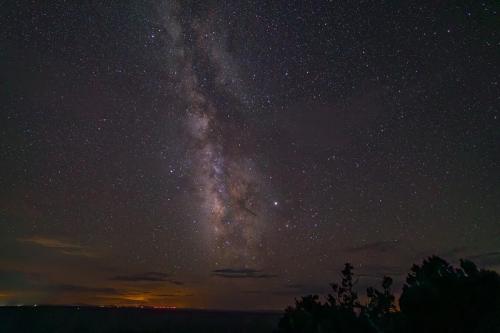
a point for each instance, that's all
(234, 154)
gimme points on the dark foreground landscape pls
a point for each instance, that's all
(56, 319)
(436, 298)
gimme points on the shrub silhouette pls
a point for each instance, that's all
(436, 298)
(380, 308)
(440, 298)
(338, 314)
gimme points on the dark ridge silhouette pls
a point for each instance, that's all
(88, 319)
(436, 297)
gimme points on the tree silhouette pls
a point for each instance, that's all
(380, 306)
(380, 302)
(440, 298)
(338, 314)
(307, 315)
(436, 297)
(344, 296)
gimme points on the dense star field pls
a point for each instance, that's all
(234, 154)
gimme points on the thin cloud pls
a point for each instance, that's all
(174, 295)
(71, 288)
(379, 271)
(61, 246)
(307, 289)
(147, 277)
(241, 273)
(486, 259)
(292, 290)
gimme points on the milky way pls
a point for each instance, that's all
(226, 179)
